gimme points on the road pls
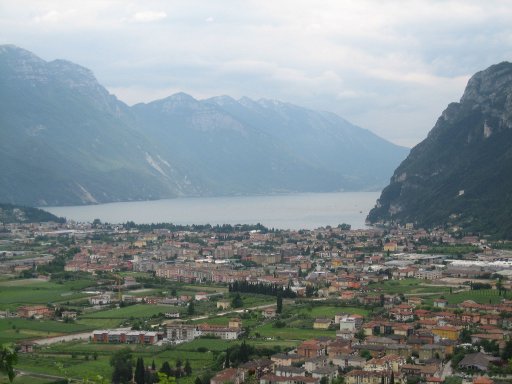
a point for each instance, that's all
(234, 311)
(40, 375)
(69, 337)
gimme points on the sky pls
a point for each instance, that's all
(391, 66)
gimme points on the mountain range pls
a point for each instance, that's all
(461, 174)
(66, 140)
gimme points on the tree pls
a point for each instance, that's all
(226, 361)
(465, 336)
(244, 352)
(166, 369)
(139, 371)
(366, 354)
(188, 368)
(122, 363)
(191, 310)
(499, 286)
(279, 308)
(8, 357)
(237, 301)
(179, 365)
(310, 290)
(324, 380)
(150, 376)
(507, 351)
(360, 335)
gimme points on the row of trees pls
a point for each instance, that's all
(262, 288)
(122, 362)
(225, 228)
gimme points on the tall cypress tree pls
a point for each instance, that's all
(139, 371)
(121, 361)
(188, 368)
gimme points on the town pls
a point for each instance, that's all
(249, 304)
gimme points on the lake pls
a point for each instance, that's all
(293, 211)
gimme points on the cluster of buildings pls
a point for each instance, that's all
(391, 348)
(175, 332)
(125, 337)
(404, 341)
(178, 332)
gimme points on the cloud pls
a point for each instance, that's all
(148, 16)
(390, 66)
(54, 16)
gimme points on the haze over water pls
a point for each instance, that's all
(294, 211)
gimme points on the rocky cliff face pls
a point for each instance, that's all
(461, 174)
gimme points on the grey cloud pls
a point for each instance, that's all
(388, 66)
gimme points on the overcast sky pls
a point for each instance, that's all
(389, 66)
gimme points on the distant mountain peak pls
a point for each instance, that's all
(12, 49)
(269, 103)
(68, 67)
(181, 97)
(222, 100)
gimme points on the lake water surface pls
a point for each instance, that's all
(294, 211)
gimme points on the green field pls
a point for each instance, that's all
(408, 286)
(326, 311)
(201, 288)
(26, 379)
(14, 293)
(64, 365)
(137, 311)
(482, 296)
(289, 333)
(23, 329)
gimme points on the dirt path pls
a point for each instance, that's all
(69, 337)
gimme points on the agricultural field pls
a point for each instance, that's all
(409, 287)
(24, 379)
(17, 292)
(481, 296)
(13, 329)
(203, 288)
(139, 311)
(291, 333)
(324, 311)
